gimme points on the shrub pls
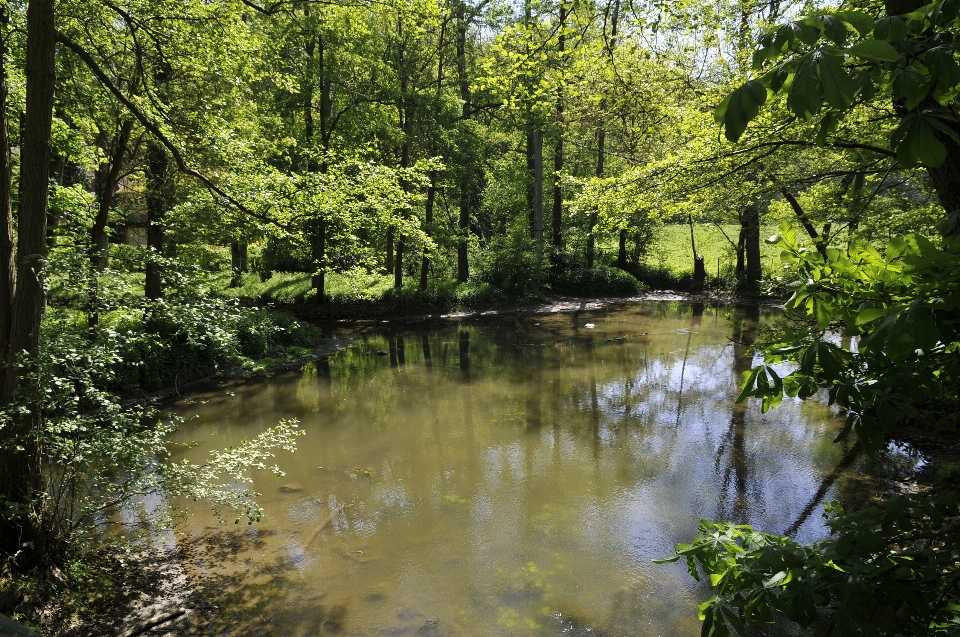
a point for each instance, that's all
(512, 263)
(599, 279)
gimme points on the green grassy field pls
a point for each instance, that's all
(671, 251)
(290, 287)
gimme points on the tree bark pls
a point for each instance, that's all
(602, 134)
(157, 203)
(7, 265)
(538, 188)
(751, 238)
(558, 149)
(805, 221)
(740, 268)
(22, 540)
(389, 264)
(108, 174)
(398, 265)
(428, 221)
(318, 249)
(466, 180)
(601, 157)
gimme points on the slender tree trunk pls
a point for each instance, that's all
(22, 540)
(427, 222)
(406, 124)
(107, 177)
(699, 267)
(238, 261)
(538, 188)
(432, 188)
(466, 178)
(157, 204)
(591, 239)
(602, 135)
(398, 266)
(558, 149)
(318, 249)
(622, 250)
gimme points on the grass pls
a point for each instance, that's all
(671, 251)
(294, 287)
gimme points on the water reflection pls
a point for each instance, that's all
(515, 475)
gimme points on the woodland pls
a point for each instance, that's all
(170, 167)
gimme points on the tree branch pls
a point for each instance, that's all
(154, 130)
(805, 220)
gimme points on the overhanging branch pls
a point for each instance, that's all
(154, 130)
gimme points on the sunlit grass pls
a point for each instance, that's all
(292, 287)
(671, 250)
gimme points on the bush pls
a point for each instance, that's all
(280, 254)
(207, 258)
(599, 279)
(512, 263)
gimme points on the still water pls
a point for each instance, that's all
(509, 475)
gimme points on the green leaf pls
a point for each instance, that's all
(942, 67)
(834, 29)
(742, 106)
(860, 21)
(930, 150)
(892, 28)
(876, 50)
(836, 84)
(869, 314)
(805, 97)
(934, 120)
(905, 140)
(827, 126)
(911, 84)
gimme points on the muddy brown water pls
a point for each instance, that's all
(510, 475)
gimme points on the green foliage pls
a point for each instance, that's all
(513, 263)
(888, 569)
(827, 64)
(599, 279)
(903, 305)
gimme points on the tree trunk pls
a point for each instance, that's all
(538, 188)
(22, 541)
(466, 178)
(7, 265)
(751, 238)
(157, 204)
(398, 266)
(741, 252)
(238, 261)
(699, 267)
(602, 134)
(558, 149)
(601, 157)
(622, 251)
(318, 249)
(428, 221)
(108, 174)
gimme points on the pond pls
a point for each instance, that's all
(510, 475)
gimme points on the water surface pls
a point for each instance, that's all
(512, 475)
